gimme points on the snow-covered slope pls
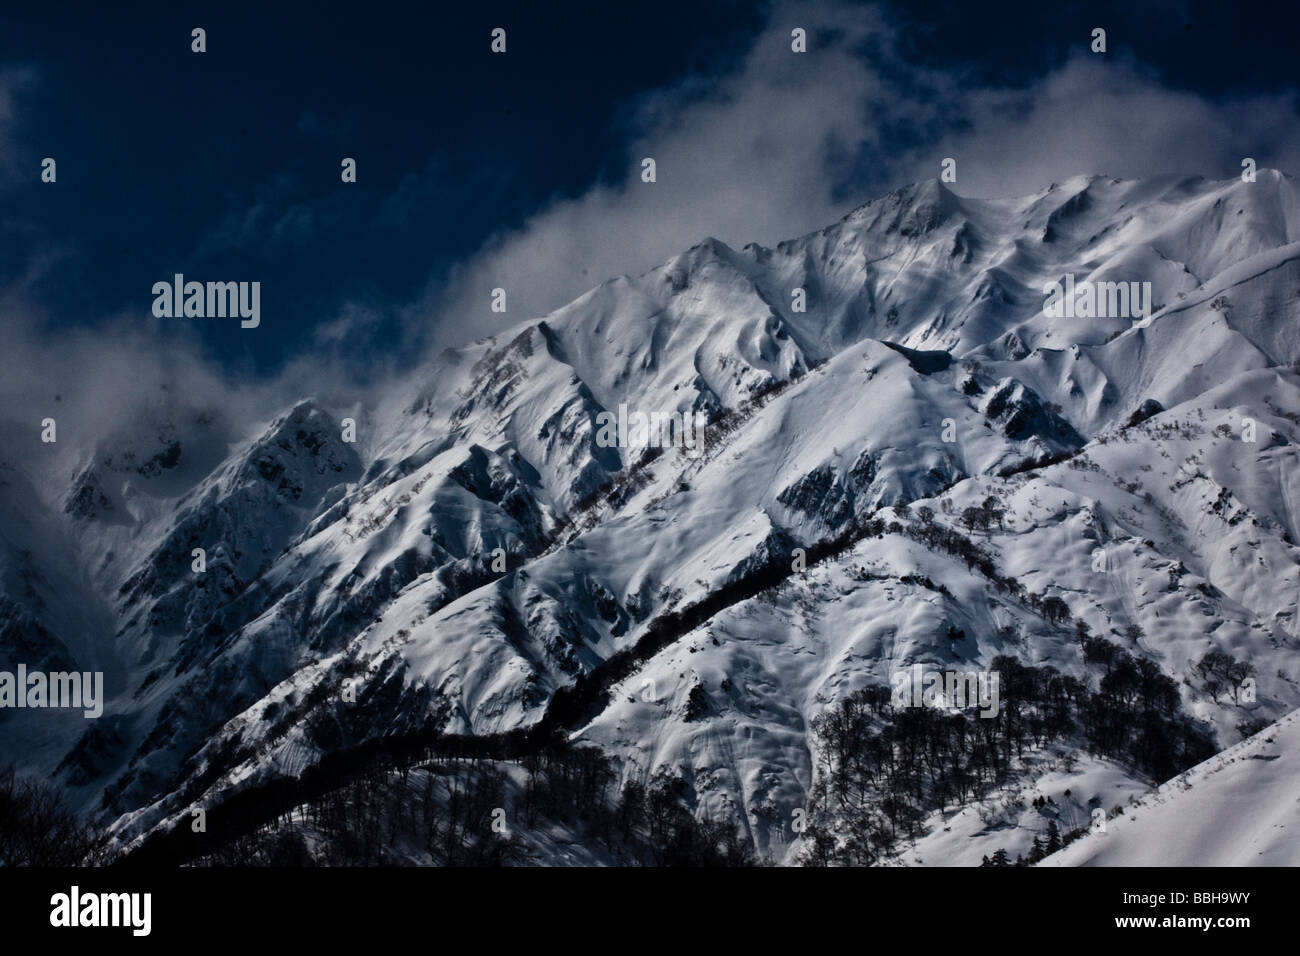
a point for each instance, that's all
(1239, 808)
(477, 548)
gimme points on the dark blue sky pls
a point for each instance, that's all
(225, 165)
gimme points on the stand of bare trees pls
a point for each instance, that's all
(883, 769)
(476, 811)
(36, 829)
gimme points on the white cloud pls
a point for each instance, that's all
(767, 152)
(744, 159)
(1096, 116)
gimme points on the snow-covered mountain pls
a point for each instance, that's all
(911, 466)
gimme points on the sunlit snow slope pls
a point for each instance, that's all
(1240, 808)
(476, 549)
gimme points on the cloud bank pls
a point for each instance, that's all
(788, 143)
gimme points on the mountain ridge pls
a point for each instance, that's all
(819, 421)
